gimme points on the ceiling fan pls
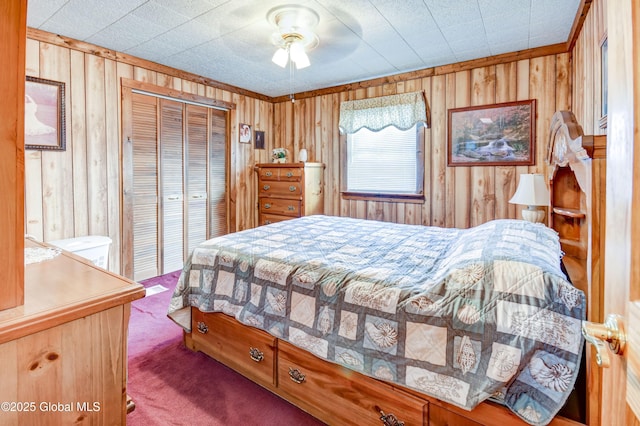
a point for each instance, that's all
(294, 35)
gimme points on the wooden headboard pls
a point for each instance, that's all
(577, 184)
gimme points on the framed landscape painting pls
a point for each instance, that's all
(44, 115)
(492, 135)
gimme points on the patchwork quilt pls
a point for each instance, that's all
(458, 314)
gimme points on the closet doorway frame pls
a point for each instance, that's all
(128, 88)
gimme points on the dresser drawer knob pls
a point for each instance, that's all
(389, 419)
(202, 327)
(289, 174)
(256, 354)
(267, 205)
(266, 187)
(296, 375)
(291, 208)
(292, 188)
(267, 222)
(268, 174)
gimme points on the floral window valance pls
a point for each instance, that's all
(402, 111)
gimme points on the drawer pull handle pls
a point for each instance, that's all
(267, 206)
(292, 188)
(202, 327)
(173, 197)
(291, 208)
(389, 419)
(289, 174)
(267, 222)
(268, 174)
(266, 187)
(256, 354)
(296, 375)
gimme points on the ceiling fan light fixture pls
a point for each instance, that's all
(298, 55)
(294, 34)
(281, 57)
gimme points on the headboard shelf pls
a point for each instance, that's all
(573, 213)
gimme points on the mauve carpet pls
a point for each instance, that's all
(171, 385)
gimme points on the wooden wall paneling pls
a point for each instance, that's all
(145, 75)
(78, 143)
(505, 176)
(450, 177)
(542, 88)
(428, 160)
(34, 220)
(57, 167)
(113, 135)
(324, 150)
(169, 81)
(482, 178)
(578, 80)
(591, 70)
(246, 211)
(438, 151)
(462, 210)
(563, 82)
(96, 145)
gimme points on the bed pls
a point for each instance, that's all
(461, 315)
(365, 322)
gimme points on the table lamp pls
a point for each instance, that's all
(532, 191)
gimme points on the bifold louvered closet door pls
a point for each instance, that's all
(174, 162)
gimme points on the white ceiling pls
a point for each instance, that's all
(229, 40)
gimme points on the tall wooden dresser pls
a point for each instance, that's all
(289, 190)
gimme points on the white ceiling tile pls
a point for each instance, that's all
(39, 11)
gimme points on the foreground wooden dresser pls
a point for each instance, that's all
(289, 190)
(63, 354)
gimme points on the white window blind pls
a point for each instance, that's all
(383, 162)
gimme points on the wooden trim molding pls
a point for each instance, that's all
(553, 49)
(153, 89)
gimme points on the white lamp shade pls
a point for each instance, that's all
(280, 57)
(532, 191)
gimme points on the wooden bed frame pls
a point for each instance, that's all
(340, 396)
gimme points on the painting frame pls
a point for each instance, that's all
(244, 131)
(259, 139)
(500, 134)
(45, 118)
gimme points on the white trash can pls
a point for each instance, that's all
(92, 247)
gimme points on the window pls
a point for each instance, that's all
(388, 164)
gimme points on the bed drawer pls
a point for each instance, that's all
(339, 396)
(280, 206)
(247, 350)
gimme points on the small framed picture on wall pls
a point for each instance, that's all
(245, 133)
(259, 139)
